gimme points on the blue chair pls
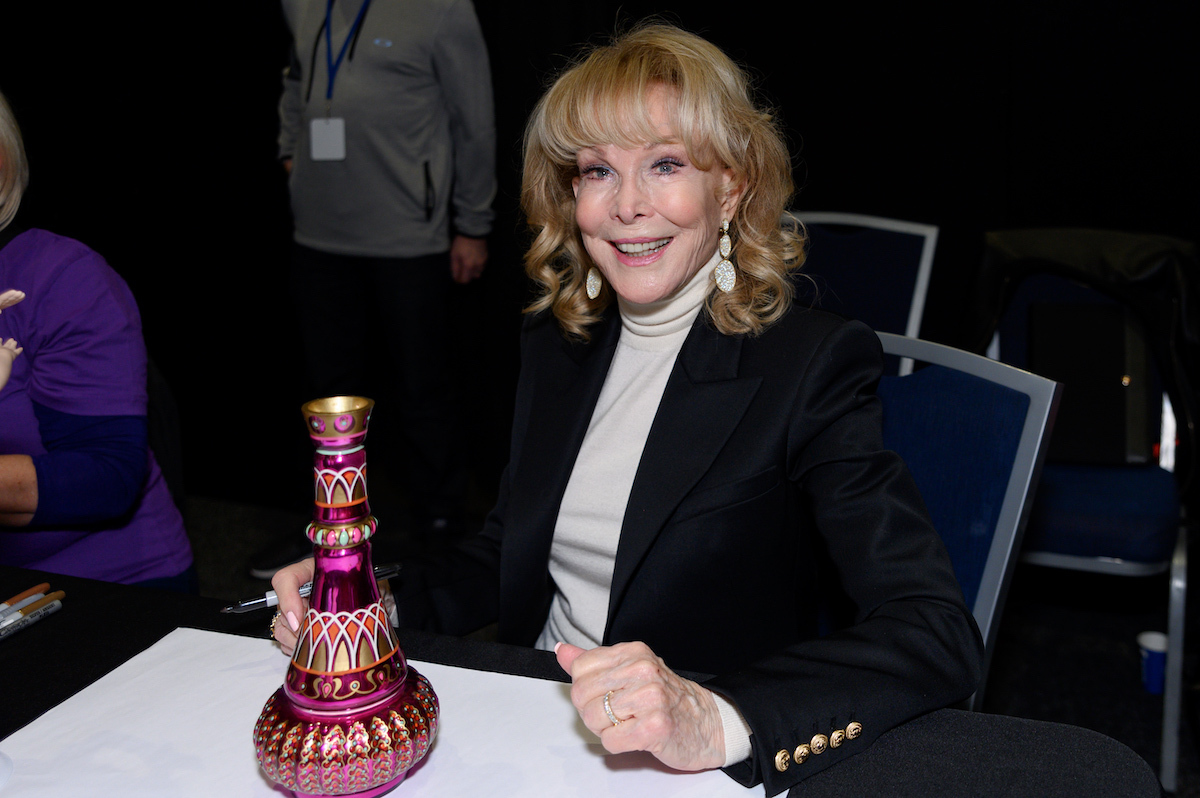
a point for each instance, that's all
(973, 433)
(870, 268)
(1106, 314)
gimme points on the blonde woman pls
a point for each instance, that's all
(695, 462)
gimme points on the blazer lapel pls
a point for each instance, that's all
(565, 390)
(701, 406)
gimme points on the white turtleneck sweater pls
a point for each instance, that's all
(590, 517)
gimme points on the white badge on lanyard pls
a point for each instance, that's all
(328, 139)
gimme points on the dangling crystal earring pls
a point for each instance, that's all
(725, 274)
(593, 283)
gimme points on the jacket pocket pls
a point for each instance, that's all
(726, 495)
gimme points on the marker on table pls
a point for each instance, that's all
(25, 602)
(6, 606)
(269, 599)
(33, 617)
(31, 608)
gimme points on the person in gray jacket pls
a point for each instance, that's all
(387, 132)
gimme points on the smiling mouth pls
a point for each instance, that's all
(642, 248)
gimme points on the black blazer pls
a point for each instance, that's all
(763, 491)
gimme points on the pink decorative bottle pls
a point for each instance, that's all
(351, 717)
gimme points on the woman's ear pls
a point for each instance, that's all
(730, 192)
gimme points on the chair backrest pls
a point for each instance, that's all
(1074, 334)
(973, 433)
(871, 268)
(1154, 279)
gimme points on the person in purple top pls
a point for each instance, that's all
(80, 492)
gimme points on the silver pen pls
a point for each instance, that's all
(269, 599)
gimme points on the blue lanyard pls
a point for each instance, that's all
(329, 61)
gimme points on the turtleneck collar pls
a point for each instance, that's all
(673, 314)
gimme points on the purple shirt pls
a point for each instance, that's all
(82, 335)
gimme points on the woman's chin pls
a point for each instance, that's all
(643, 290)
(643, 297)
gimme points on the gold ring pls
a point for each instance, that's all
(274, 620)
(608, 709)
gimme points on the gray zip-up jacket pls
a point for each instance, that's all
(415, 91)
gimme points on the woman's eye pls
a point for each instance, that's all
(595, 172)
(667, 166)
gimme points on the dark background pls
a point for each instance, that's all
(151, 136)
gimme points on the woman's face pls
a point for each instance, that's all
(650, 218)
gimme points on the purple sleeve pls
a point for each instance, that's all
(93, 469)
(90, 357)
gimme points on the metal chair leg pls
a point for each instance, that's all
(1173, 689)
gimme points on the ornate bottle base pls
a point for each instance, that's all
(391, 785)
(360, 753)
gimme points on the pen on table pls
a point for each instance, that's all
(32, 608)
(27, 620)
(42, 588)
(269, 599)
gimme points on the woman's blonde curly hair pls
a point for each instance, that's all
(14, 169)
(603, 99)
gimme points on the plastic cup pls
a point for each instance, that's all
(1154, 660)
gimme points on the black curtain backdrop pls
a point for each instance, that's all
(151, 136)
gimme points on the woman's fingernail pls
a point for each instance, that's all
(292, 622)
(557, 646)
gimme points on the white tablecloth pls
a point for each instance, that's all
(176, 720)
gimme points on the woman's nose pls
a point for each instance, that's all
(630, 202)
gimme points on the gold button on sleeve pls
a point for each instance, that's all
(801, 753)
(836, 738)
(853, 729)
(782, 760)
(818, 744)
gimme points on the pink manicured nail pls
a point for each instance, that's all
(292, 622)
(557, 646)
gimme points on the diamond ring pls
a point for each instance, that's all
(608, 709)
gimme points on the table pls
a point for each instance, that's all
(945, 753)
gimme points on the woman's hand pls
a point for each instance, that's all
(286, 583)
(673, 718)
(10, 297)
(8, 353)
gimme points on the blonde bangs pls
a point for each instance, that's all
(606, 100)
(596, 115)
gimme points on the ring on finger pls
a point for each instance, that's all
(608, 709)
(274, 620)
